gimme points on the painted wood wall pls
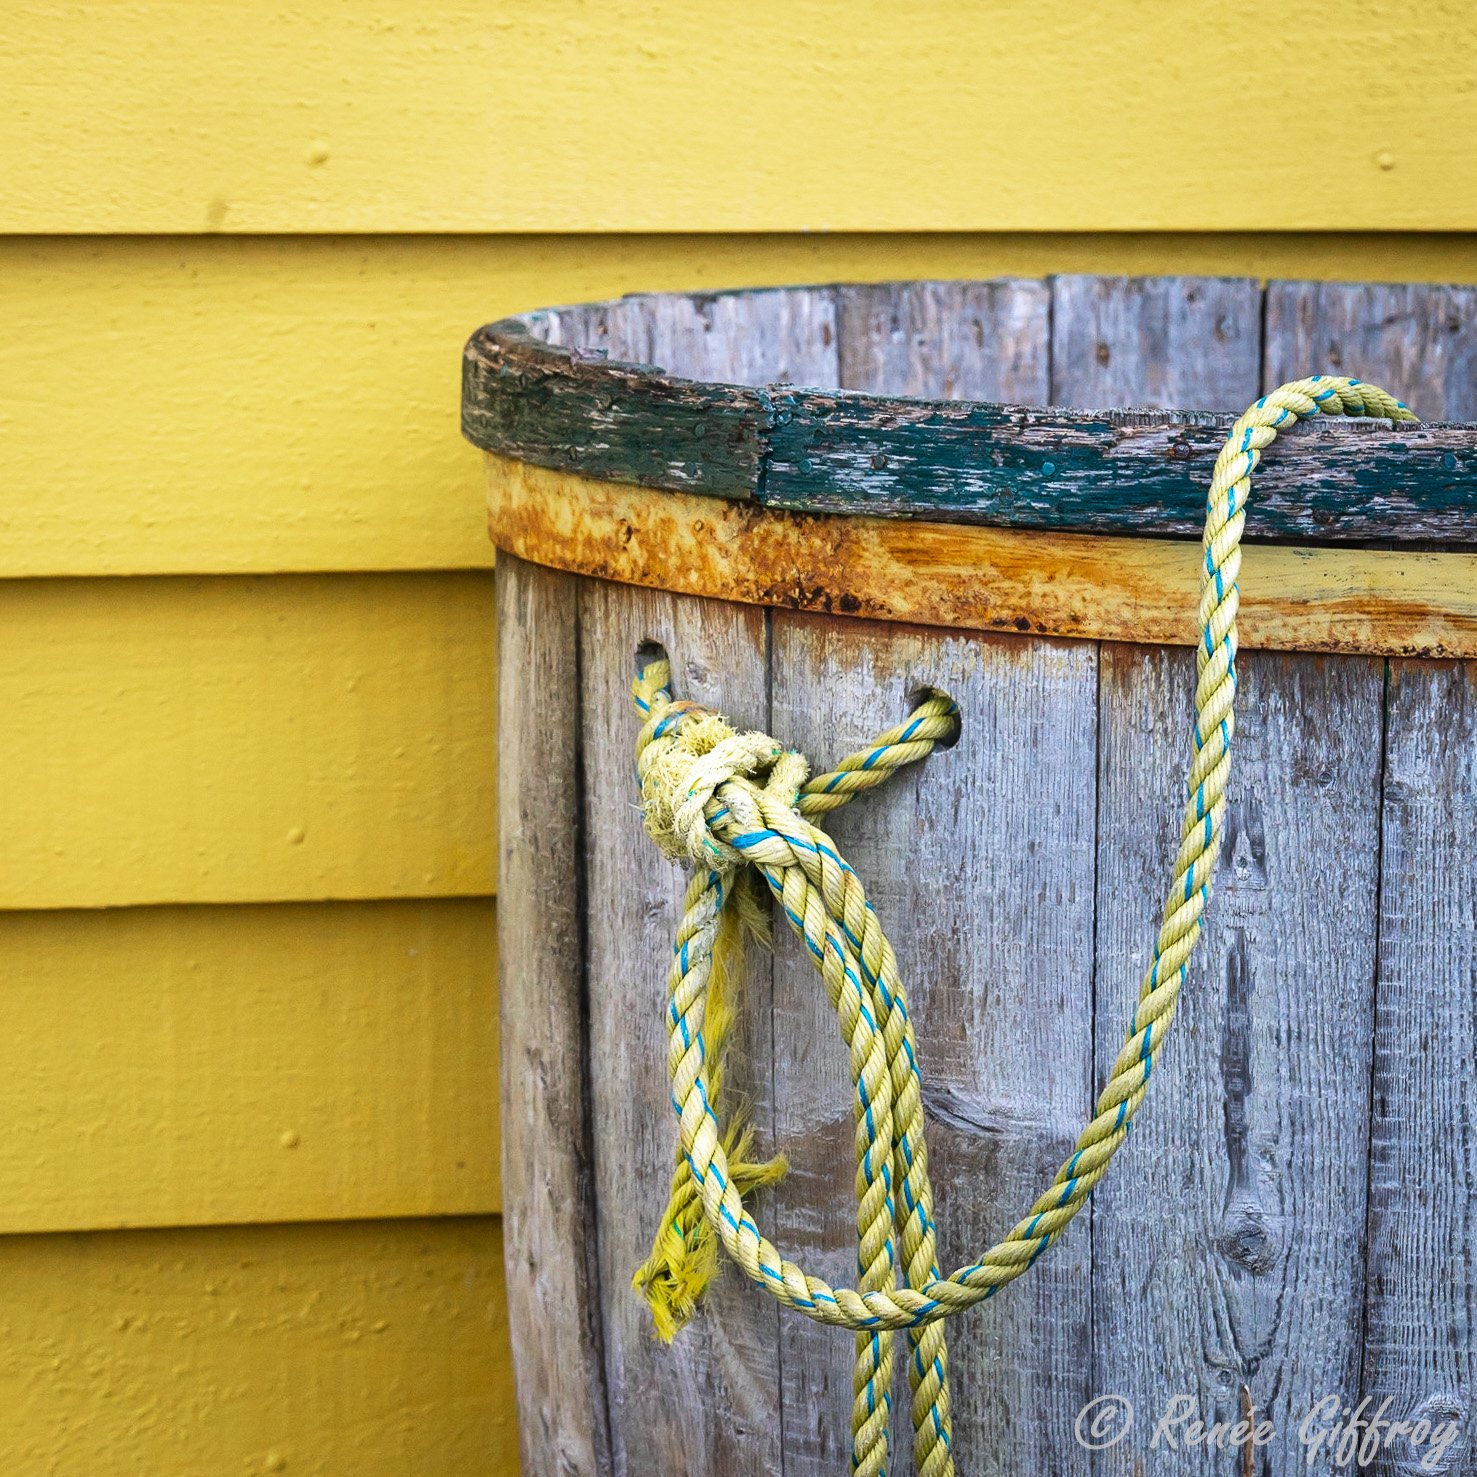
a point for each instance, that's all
(248, 1174)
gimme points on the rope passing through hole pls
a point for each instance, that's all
(739, 809)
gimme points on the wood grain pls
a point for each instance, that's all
(707, 1404)
(1418, 341)
(1249, 1290)
(980, 866)
(946, 340)
(1423, 1155)
(1228, 1238)
(783, 336)
(553, 1278)
(1186, 343)
(620, 329)
(1423, 1164)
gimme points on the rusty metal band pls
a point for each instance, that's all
(1086, 586)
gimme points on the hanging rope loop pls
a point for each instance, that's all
(738, 807)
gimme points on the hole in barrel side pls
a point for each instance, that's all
(920, 694)
(649, 651)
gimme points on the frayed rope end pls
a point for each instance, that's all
(684, 1255)
(684, 1252)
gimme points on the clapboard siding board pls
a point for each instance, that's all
(281, 403)
(553, 1282)
(947, 340)
(292, 1062)
(979, 863)
(260, 405)
(1161, 343)
(1422, 1236)
(1228, 1240)
(706, 1404)
(373, 1347)
(663, 117)
(246, 740)
(1419, 342)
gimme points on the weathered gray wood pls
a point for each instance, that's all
(707, 1405)
(980, 866)
(947, 340)
(1228, 1236)
(1417, 341)
(619, 330)
(1249, 1287)
(763, 337)
(1420, 1347)
(1187, 343)
(549, 1199)
(784, 336)
(1421, 343)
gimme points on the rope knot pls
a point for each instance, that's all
(691, 754)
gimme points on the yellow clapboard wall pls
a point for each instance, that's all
(371, 1348)
(279, 1062)
(246, 739)
(249, 1190)
(772, 115)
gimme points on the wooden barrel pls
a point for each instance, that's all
(828, 498)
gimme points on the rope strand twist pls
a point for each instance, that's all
(739, 809)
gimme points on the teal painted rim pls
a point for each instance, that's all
(826, 450)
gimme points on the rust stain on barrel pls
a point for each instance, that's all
(970, 577)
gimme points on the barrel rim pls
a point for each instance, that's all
(830, 450)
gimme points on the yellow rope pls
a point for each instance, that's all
(735, 806)
(684, 1253)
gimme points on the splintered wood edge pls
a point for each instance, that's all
(1087, 586)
